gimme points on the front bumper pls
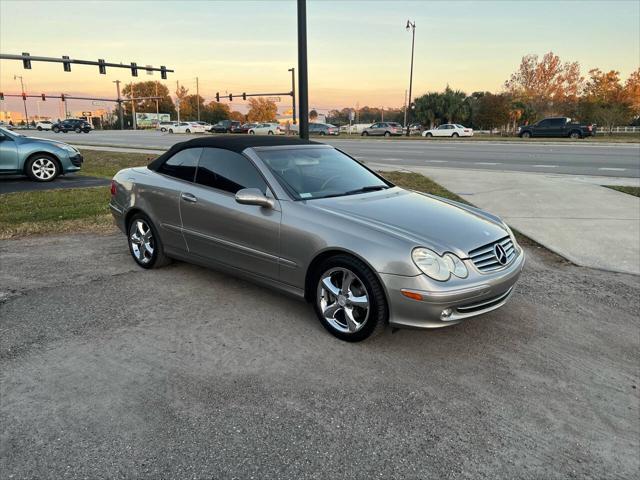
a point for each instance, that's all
(477, 294)
(76, 160)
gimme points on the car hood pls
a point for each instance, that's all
(424, 220)
(44, 140)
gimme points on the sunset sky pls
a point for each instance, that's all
(359, 51)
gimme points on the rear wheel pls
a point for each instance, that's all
(145, 245)
(349, 300)
(77, 130)
(39, 129)
(429, 134)
(163, 129)
(187, 131)
(270, 132)
(575, 135)
(454, 135)
(322, 134)
(42, 168)
(387, 134)
(56, 130)
(251, 132)
(171, 130)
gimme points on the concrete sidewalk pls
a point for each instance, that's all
(576, 217)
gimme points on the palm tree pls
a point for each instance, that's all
(454, 105)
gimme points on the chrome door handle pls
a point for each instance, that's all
(188, 197)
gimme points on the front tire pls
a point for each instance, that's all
(365, 134)
(526, 135)
(56, 130)
(78, 130)
(171, 130)
(251, 132)
(349, 300)
(270, 132)
(429, 135)
(42, 168)
(39, 129)
(145, 245)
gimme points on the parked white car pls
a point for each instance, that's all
(449, 130)
(44, 125)
(164, 126)
(186, 127)
(267, 129)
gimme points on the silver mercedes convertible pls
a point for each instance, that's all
(309, 220)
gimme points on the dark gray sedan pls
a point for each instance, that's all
(309, 220)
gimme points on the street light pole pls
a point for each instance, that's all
(293, 92)
(133, 108)
(412, 27)
(120, 112)
(198, 98)
(24, 100)
(303, 81)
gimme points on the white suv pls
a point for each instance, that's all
(44, 125)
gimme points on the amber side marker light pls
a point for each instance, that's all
(411, 295)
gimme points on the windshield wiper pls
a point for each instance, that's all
(369, 188)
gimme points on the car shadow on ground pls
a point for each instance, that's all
(20, 183)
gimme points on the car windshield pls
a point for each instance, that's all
(308, 173)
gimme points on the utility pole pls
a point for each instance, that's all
(412, 27)
(382, 114)
(178, 99)
(303, 81)
(120, 110)
(157, 106)
(198, 98)
(133, 108)
(24, 100)
(405, 107)
(293, 92)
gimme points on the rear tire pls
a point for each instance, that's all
(251, 132)
(387, 134)
(77, 130)
(144, 242)
(575, 135)
(454, 135)
(429, 135)
(171, 130)
(39, 129)
(270, 132)
(163, 130)
(351, 312)
(56, 130)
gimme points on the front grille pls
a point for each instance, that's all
(485, 304)
(485, 258)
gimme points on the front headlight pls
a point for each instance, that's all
(437, 267)
(68, 148)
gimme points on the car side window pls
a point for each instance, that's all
(182, 165)
(543, 123)
(228, 171)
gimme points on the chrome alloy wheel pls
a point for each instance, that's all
(343, 300)
(43, 168)
(141, 241)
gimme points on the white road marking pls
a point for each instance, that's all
(545, 166)
(611, 169)
(436, 161)
(487, 163)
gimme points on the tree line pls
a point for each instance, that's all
(540, 87)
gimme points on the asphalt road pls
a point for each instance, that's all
(112, 371)
(20, 183)
(585, 157)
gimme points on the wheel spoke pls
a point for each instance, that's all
(352, 325)
(140, 226)
(362, 301)
(329, 286)
(347, 280)
(331, 310)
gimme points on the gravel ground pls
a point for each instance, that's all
(110, 371)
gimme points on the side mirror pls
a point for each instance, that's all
(253, 196)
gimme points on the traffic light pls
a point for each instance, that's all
(102, 68)
(231, 97)
(244, 95)
(218, 97)
(24, 96)
(62, 97)
(163, 72)
(26, 63)
(134, 69)
(66, 65)
(44, 98)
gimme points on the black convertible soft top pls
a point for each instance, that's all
(236, 143)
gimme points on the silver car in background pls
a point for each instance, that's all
(309, 220)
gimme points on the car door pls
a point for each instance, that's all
(542, 129)
(441, 131)
(161, 200)
(8, 154)
(220, 230)
(556, 127)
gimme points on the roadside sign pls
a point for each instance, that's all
(86, 114)
(352, 115)
(98, 103)
(273, 99)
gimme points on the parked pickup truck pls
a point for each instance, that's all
(556, 127)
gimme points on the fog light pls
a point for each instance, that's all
(446, 314)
